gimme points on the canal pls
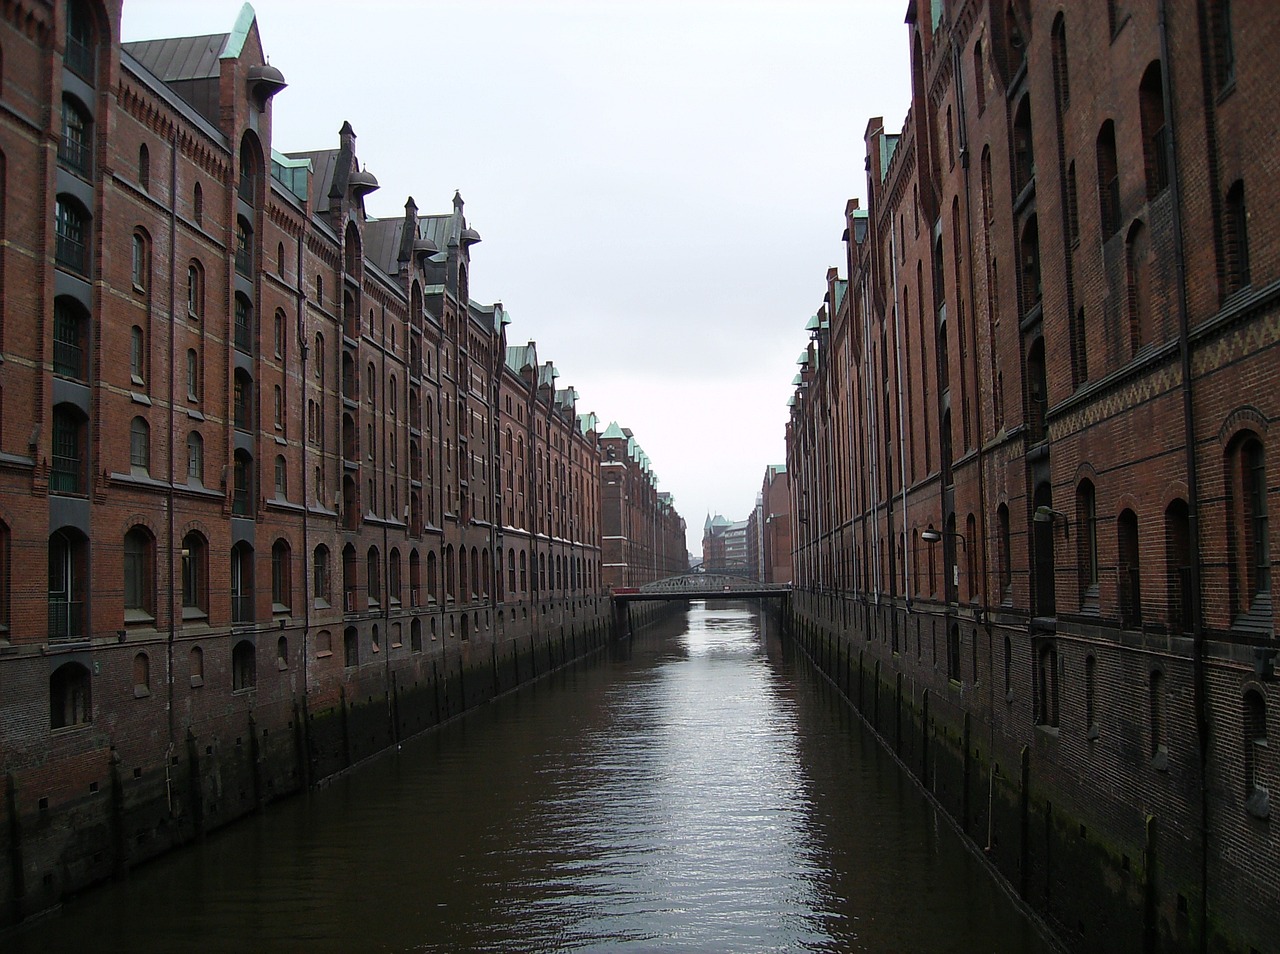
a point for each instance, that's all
(697, 788)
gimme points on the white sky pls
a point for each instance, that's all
(660, 184)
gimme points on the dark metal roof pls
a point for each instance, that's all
(323, 162)
(180, 58)
(382, 243)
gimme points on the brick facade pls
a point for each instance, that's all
(1029, 456)
(273, 487)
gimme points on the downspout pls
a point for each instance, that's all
(985, 605)
(1199, 690)
(871, 454)
(300, 299)
(850, 401)
(174, 609)
(902, 440)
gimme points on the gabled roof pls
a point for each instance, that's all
(522, 357)
(613, 432)
(382, 243)
(174, 59)
(323, 164)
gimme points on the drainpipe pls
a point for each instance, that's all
(169, 492)
(1199, 691)
(902, 440)
(300, 299)
(871, 446)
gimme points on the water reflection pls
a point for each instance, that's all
(699, 791)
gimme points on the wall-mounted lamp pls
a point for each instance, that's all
(933, 536)
(1046, 514)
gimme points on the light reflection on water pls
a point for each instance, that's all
(694, 791)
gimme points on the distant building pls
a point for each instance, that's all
(643, 536)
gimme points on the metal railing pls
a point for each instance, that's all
(70, 253)
(242, 608)
(65, 475)
(66, 619)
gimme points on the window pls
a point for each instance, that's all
(282, 477)
(81, 52)
(193, 375)
(70, 338)
(393, 577)
(1061, 78)
(1256, 791)
(242, 609)
(1032, 286)
(281, 577)
(1128, 569)
(144, 168)
(282, 653)
(1155, 134)
(67, 471)
(71, 235)
(351, 647)
(279, 333)
(1047, 684)
(70, 700)
(319, 357)
(1177, 549)
(242, 400)
(139, 444)
(195, 666)
(137, 355)
(75, 148)
(1043, 552)
(68, 572)
(1236, 235)
(1248, 533)
(242, 484)
(1138, 282)
(979, 77)
(195, 291)
(1224, 56)
(1091, 697)
(197, 204)
(1087, 541)
(244, 324)
(278, 408)
(350, 585)
(195, 458)
(139, 576)
(195, 576)
(374, 576)
(141, 676)
(1108, 181)
(320, 574)
(1024, 161)
(244, 666)
(141, 262)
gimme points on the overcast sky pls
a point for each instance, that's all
(659, 184)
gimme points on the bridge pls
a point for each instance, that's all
(701, 586)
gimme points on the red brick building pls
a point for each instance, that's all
(274, 490)
(643, 535)
(769, 528)
(1029, 455)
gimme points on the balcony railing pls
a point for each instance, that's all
(70, 253)
(68, 358)
(244, 262)
(66, 619)
(65, 475)
(75, 155)
(244, 336)
(240, 503)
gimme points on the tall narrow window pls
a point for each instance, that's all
(139, 444)
(244, 324)
(979, 77)
(137, 355)
(242, 504)
(70, 334)
(1032, 286)
(1249, 532)
(71, 235)
(141, 262)
(195, 292)
(193, 375)
(1236, 235)
(1061, 77)
(1091, 696)
(1138, 281)
(139, 576)
(144, 168)
(81, 52)
(1177, 549)
(1256, 791)
(195, 458)
(244, 247)
(195, 575)
(1155, 133)
(320, 574)
(1047, 684)
(281, 577)
(242, 609)
(1108, 180)
(1024, 161)
(1224, 54)
(197, 204)
(1087, 537)
(75, 148)
(1128, 570)
(67, 471)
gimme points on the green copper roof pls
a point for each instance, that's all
(614, 431)
(239, 33)
(813, 324)
(888, 146)
(796, 380)
(804, 358)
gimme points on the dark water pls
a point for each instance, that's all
(695, 790)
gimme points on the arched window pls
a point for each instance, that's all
(70, 698)
(279, 336)
(193, 375)
(415, 578)
(415, 635)
(195, 291)
(139, 444)
(195, 666)
(1024, 160)
(244, 330)
(318, 357)
(1047, 684)
(144, 168)
(244, 247)
(979, 77)
(70, 339)
(75, 148)
(71, 235)
(1032, 287)
(320, 574)
(1154, 130)
(350, 583)
(139, 576)
(1223, 51)
(244, 666)
(282, 653)
(81, 46)
(1177, 557)
(1087, 544)
(1061, 77)
(393, 577)
(1248, 534)
(137, 356)
(242, 498)
(281, 577)
(195, 576)
(141, 676)
(197, 204)
(433, 592)
(1108, 181)
(1236, 239)
(1091, 696)
(351, 647)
